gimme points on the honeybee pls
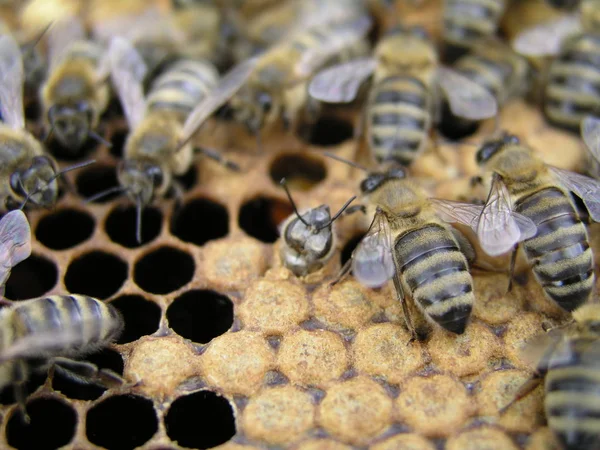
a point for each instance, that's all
(400, 111)
(567, 358)
(308, 238)
(467, 22)
(590, 132)
(75, 93)
(559, 250)
(15, 243)
(162, 125)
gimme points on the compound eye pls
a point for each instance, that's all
(371, 183)
(397, 172)
(16, 183)
(265, 101)
(156, 174)
(487, 151)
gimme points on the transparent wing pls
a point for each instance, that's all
(128, 70)
(538, 350)
(590, 132)
(11, 82)
(228, 85)
(61, 35)
(372, 261)
(15, 242)
(340, 84)
(586, 188)
(546, 39)
(457, 212)
(465, 97)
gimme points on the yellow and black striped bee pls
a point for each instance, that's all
(567, 359)
(400, 111)
(559, 250)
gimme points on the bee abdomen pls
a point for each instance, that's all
(562, 259)
(490, 73)
(436, 272)
(398, 119)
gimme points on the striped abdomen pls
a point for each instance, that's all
(573, 86)
(182, 87)
(560, 253)
(572, 394)
(492, 73)
(436, 273)
(398, 119)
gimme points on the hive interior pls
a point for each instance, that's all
(224, 346)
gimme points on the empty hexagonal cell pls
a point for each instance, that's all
(31, 278)
(52, 425)
(330, 131)
(121, 225)
(200, 315)
(200, 420)
(67, 154)
(96, 274)
(164, 270)
(104, 359)
(121, 422)
(64, 228)
(200, 220)
(97, 179)
(300, 170)
(141, 316)
(261, 216)
(36, 379)
(117, 141)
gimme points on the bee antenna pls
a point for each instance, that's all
(104, 193)
(42, 33)
(338, 214)
(138, 219)
(346, 161)
(95, 136)
(73, 167)
(283, 182)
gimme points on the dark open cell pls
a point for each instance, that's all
(96, 274)
(141, 317)
(200, 420)
(68, 154)
(200, 315)
(301, 171)
(96, 179)
(200, 220)
(121, 422)
(52, 425)
(64, 228)
(330, 131)
(36, 379)
(164, 270)
(31, 278)
(261, 216)
(188, 180)
(117, 141)
(33, 111)
(104, 359)
(350, 246)
(456, 128)
(121, 225)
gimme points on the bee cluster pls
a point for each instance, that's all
(299, 224)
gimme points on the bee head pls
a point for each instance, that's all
(376, 179)
(71, 124)
(588, 317)
(492, 147)
(36, 183)
(311, 232)
(140, 179)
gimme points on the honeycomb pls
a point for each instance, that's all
(225, 348)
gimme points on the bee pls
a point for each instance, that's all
(308, 238)
(162, 125)
(566, 359)
(401, 108)
(590, 132)
(559, 250)
(15, 243)
(467, 22)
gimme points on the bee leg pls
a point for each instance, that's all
(407, 317)
(86, 372)
(20, 374)
(511, 270)
(343, 273)
(523, 391)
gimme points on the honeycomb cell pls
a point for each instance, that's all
(322, 444)
(301, 171)
(312, 357)
(237, 362)
(543, 439)
(36, 379)
(31, 278)
(200, 220)
(200, 420)
(519, 332)
(98, 179)
(424, 405)
(408, 441)
(261, 216)
(64, 228)
(141, 317)
(274, 306)
(65, 154)
(498, 389)
(121, 225)
(52, 425)
(164, 270)
(121, 422)
(117, 141)
(278, 415)
(200, 315)
(330, 131)
(97, 274)
(463, 354)
(355, 411)
(494, 305)
(487, 438)
(383, 350)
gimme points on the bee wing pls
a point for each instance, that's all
(372, 261)
(128, 70)
(11, 82)
(61, 35)
(227, 86)
(586, 188)
(590, 132)
(536, 352)
(15, 242)
(546, 39)
(340, 84)
(465, 97)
